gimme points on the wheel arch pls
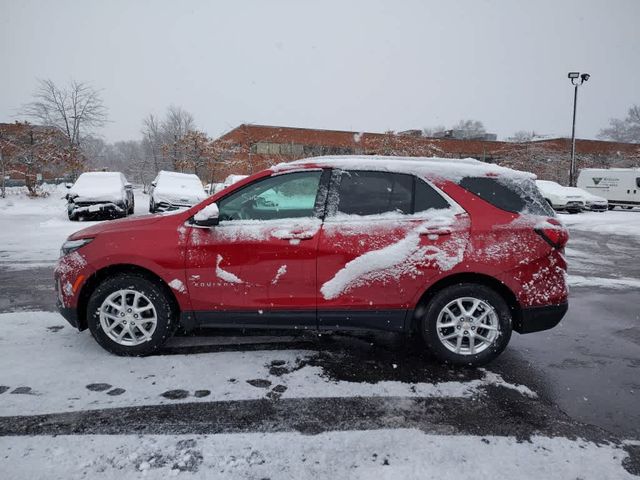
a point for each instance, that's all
(467, 277)
(100, 275)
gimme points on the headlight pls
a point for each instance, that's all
(72, 245)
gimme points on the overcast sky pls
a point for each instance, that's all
(357, 65)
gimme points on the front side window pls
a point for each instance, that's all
(291, 195)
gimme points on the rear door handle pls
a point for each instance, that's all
(436, 231)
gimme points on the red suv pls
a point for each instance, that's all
(459, 252)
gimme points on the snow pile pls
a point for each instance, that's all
(143, 381)
(451, 169)
(615, 283)
(224, 275)
(33, 229)
(371, 454)
(401, 258)
(613, 222)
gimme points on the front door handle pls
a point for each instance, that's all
(294, 235)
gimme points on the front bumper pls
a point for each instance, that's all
(87, 208)
(70, 314)
(597, 207)
(574, 206)
(167, 207)
(536, 319)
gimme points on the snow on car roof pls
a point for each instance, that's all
(166, 173)
(550, 186)
(450, 168)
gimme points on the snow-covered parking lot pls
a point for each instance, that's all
(559, 404)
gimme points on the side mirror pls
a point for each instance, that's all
(68, 185)
(209, 216)
(128, 186)
(153, 184)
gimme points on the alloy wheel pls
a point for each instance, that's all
(128, 317)
(467, 326)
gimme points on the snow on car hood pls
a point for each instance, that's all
(98, 187)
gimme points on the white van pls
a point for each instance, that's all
(621, 186)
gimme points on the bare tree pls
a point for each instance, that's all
(470, 128)
(627, 130)
(464, 129)
(152, 140)
(522, 136)
(74, 110)
(432, 131)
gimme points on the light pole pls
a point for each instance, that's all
(577, 79)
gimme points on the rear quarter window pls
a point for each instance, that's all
(511, 195)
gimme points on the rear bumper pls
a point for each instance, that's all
(536, 319)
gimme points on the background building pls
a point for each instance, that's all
(249, 148)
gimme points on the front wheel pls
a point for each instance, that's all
(466, 324)
(131, 315)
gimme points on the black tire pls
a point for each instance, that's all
(154, 291)
(132, 207)
(427, 324)
(152, 207)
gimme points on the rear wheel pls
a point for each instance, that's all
(466, 324)
(131, 315)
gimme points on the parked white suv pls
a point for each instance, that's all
(561, 198)
(173, 190)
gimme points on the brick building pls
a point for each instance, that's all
(249, 148)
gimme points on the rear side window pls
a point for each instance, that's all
(516, 196)
(371, 193)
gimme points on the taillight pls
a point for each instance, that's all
(553, 233)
